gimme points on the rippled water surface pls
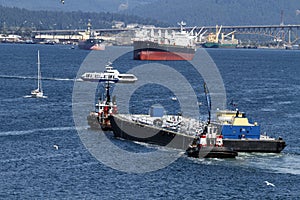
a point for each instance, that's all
(264, 83)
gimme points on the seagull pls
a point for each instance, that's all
(55, 146)
(268, 183)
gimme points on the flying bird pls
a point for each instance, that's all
(268, 183)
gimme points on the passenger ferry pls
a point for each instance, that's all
(110, 74)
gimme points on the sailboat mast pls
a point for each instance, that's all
(39, 73)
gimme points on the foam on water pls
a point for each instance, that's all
(268, 109)
(271, 162)
(34, 78)
(284, 163)
(290, 115)
(284, 102)
(30, 96)
(26, 132)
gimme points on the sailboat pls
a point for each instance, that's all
(38, 93)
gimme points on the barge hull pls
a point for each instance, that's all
(130, 130)
(252, 145)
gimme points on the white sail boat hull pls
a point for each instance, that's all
(37, 94)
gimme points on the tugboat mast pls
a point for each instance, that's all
(208, 101)
(107, 92)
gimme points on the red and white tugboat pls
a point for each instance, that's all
(103, 109)
(210, 145)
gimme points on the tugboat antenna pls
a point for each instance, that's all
(208, 101)
(107, 92)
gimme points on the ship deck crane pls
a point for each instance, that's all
(218, 31)
(214, 37)
(227, 35)
(199, 35)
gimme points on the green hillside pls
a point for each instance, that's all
(155, 12)
(16, 19)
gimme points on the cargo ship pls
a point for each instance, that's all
(177, 46)
(226, 44)
(226, 41)
(91, 44)
(89, 40)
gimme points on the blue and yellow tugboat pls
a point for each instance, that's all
(243, 136)
(240, 134)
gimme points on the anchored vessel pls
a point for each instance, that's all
(91, 44)
(226, 41)
(90, 41)
(178, 46)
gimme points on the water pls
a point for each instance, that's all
(264, 83)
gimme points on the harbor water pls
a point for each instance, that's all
(264, 83)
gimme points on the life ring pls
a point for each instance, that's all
(158, 122)
(115, 110)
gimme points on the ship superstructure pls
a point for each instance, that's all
(179, 45)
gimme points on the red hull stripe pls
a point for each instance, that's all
(159, 55)
(98, 47)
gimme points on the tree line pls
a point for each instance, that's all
(22, 21)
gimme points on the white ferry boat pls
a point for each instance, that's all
(110, 74)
